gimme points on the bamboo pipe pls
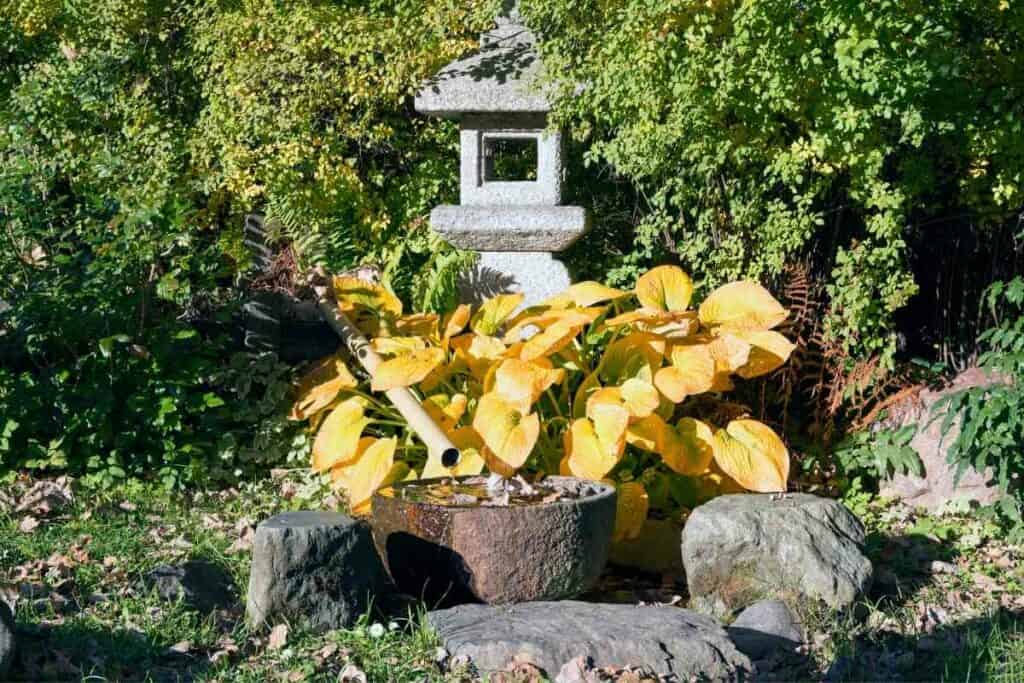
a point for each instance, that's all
(437, 442)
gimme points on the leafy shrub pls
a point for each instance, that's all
(598, 388)
(992, 417)
(878, 454)
(760, 132)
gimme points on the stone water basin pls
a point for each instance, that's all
(450, 541)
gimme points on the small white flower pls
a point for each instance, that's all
(376, 630)
(392, 625)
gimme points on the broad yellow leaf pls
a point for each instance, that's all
(648, 434)
(353, 293)
(556, 337)
(368, 471)
(471, 460)
(417, 325)
(478, 352)
(583, 294)
(638, 397)
(631, 507)
(393, 346)
(590, 384)
(444, 410)
(753, 455)
(692, 372)
(692, 450)
(490, 316)
(591, 447)
(506, 431)
(743, 305)
(454, 323)
(665, 288)
(543, 319)
(638, 355)
(768, 351)
(677, 324)
(320, 386)
(522, 382)
(404, 371)
(730, 353)
(336, 442)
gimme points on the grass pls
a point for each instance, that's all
(94, 620)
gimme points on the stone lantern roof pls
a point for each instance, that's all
(500, 78)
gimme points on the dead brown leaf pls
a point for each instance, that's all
(278, 637)
(351, 674)
(180, 648)
(46, 497)
(28, 524)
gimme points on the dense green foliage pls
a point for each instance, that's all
(992, 418)
(730, 138)
(760, 132)
(133, 137)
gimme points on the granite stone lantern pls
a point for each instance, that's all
(511, 168)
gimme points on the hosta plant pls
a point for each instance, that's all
(596, 382)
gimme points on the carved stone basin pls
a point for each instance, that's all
(467, 548)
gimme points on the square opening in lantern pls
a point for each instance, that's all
(510, 159)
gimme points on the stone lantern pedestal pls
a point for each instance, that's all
(511, 169)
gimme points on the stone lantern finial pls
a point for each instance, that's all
(511, 170)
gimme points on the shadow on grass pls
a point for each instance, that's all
(904, 564)
(989, 648)
(81, 650)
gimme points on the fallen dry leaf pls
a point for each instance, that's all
(278, 637)
(180, 648)
(351, 674)
(46, 497)
(28, 524)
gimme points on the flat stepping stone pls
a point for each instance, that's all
(664, 640)
(318, 568)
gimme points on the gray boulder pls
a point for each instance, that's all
(764, 628)
(315, 567)
(202, 585)
(741, 548)
(665, 640)
(936, 489)
(6, 639)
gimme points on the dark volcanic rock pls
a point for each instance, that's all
(741, 548)
(202, 585)
(316, 567)
(665, 640)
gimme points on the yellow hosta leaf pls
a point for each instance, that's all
(768, 351)
(693, 449)
(545, 318)
(743, 305)
(555, 337)
(444, 410)
(320, 386)
(417, 325)
(506, 431)
(648, 433)
(404, 371)
(692, 372)
(638, 397)
(636, 355)
(368, 471)
(676, 324)
(471, 460)
(583, 294)
(594, 447)
(631, 507)
(490, 316)
(454, 323)
(665, 288)
(590, 384)
(393, 346)
(522, 382)
(336, 442)
(753, 455)
(478, 352)
(730, 353)
(353, 293)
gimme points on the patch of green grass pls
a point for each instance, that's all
(993, 651)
